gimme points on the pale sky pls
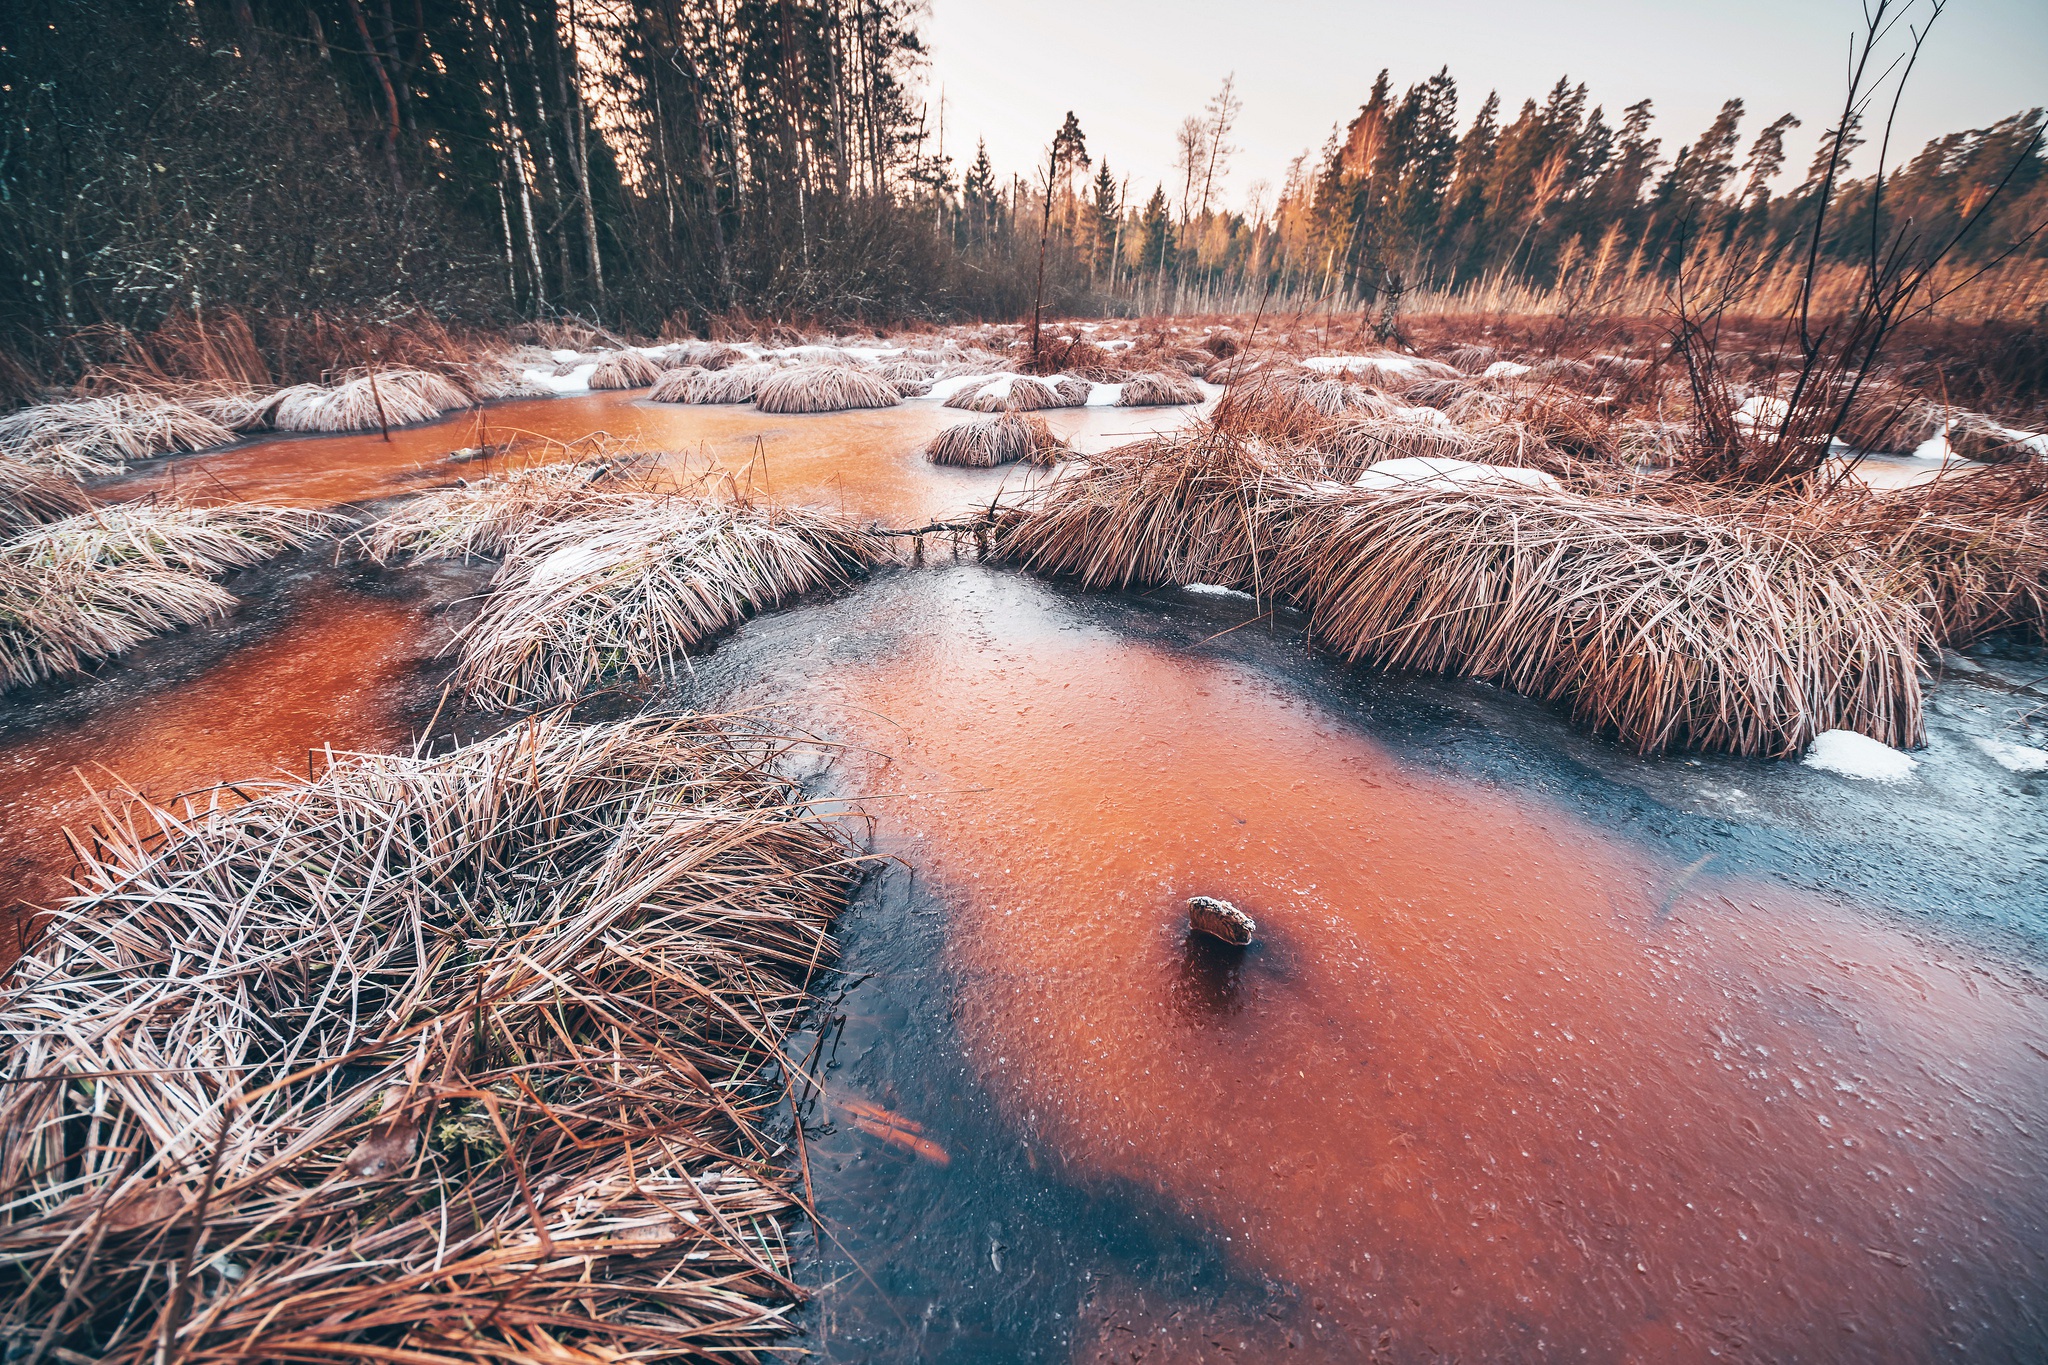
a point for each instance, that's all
(1132, 69)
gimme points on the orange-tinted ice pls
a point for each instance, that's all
(1495, 1084)
(331, 678)
(868, 463)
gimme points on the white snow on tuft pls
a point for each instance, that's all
(2019, 758)
(563, 357)
(576, 381)
(1505, 369)
(1104, 395)
(1762, 410)
(1427, 417)
(1429, 471)
(1852, 755)
(1341, 364)
(946, 388)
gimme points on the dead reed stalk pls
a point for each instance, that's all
(439, 1060)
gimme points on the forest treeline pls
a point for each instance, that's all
(665, 162)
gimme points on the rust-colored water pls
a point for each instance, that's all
(1495, 1084)
(331, 678)
(868, 463)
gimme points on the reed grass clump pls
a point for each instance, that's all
(1007, 393)
(168, 534)
(624, 370)
(621, 596)
(1006, 439)
(1159, 388)
(96, 584)
(96, 436)
(367, 402)
(483, 519)
(824, 388)
(732, 384)
(1349, 446)
(1978, 543)
(433, 1060)
(675, 385)
(1195, 507)
(1664, 626)
(33, 494)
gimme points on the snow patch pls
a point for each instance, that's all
(1761, 410)
(576, 381)
(1430, 471)
(1848, 754)
(563, 357)
(1346, 364)
(1504, 369)
(2018, 758)
(1104, 395)
(1215, 590)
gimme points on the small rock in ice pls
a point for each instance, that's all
(1853, 755)
(1220, 919)
(2019, 758)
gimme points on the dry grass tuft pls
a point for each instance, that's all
(95, 436)
(1159, 389)
(824, 388)
(96, 584)
(910, 378)
(368, 401)
(624, 370)
(1193, 507)
(622, 595)
(1666, 627)
(676, 385)
(735, 384)
(484, 518)
(1292, 410)
(709, 355)
(429, 1059)
(32, 494)
(1007, 393)
(1072, 391)
(1350, 445)
(1001, 440)
(1979, 543)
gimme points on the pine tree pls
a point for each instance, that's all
(1156, 256)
